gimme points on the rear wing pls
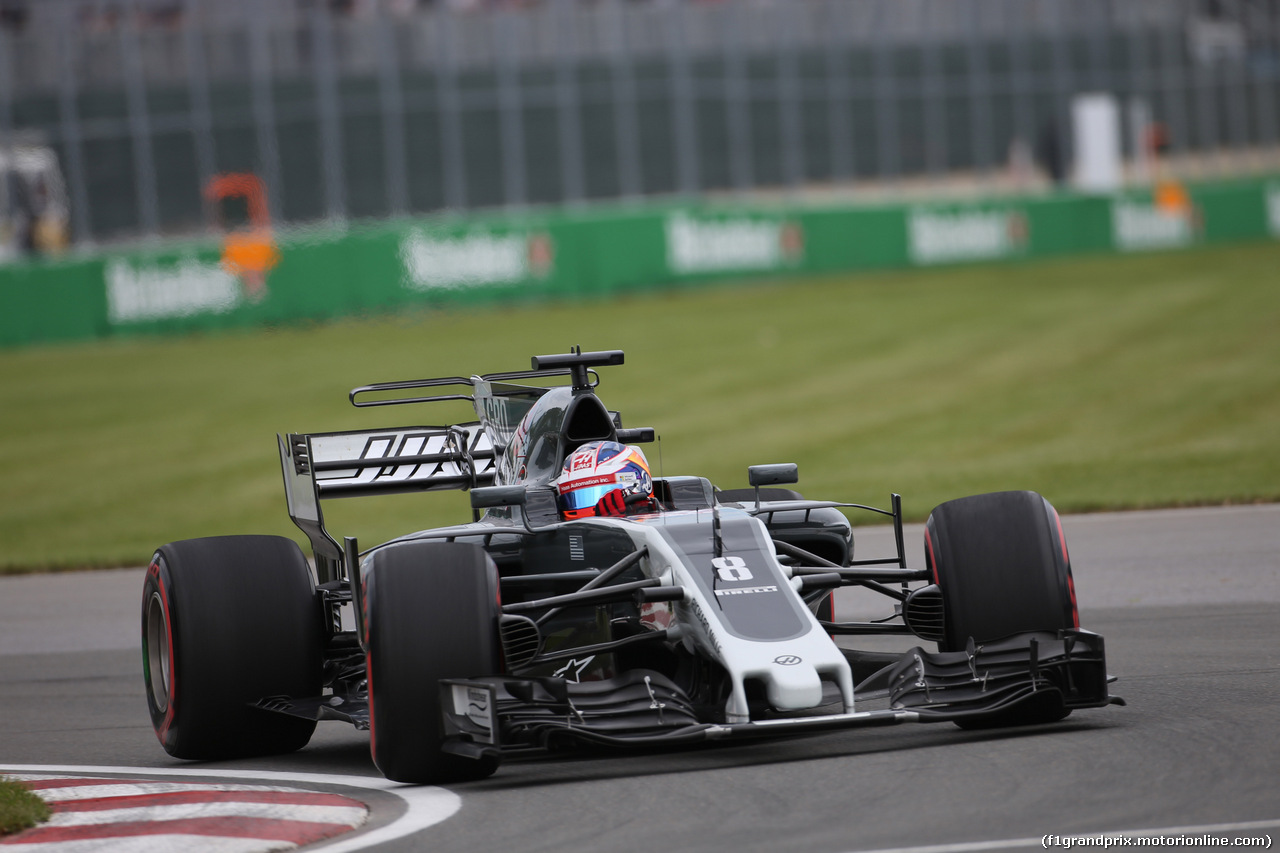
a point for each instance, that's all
(403, 459)
(386, 461)
(327, 465)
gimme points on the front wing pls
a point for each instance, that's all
(1029, 677)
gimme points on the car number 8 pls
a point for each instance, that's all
(731, 568)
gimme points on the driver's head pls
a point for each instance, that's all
(598, 468)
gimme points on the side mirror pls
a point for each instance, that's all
(493, 496)
(637, 435)
(773, 475)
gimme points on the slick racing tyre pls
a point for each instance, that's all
(1001, 563)
(431, 612)
(227, 621)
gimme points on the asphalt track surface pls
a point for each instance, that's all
(1188, 601)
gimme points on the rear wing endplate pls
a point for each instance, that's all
(385, 461)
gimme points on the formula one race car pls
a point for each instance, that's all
(590, 602)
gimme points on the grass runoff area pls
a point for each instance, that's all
(19, 808)
(1103, 383)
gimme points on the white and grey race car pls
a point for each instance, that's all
(706, 617)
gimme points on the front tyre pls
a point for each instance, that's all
(227, 621)
(431, 612)
(1001, 563)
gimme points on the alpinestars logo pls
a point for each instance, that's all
(572, 671)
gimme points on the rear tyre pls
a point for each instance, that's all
(431, 613)
(1002, 565)
(227, 621)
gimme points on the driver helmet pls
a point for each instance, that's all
(597, 468)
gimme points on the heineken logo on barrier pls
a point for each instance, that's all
(157, 291)
(935, 237)
(1137, 225)
(475, 259)
(1273, 210)
(702, 244)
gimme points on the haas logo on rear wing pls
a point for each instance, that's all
(352, 464)
(407, 459)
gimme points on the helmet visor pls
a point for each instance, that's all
(586, 498)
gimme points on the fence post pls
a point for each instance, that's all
(144, 164)
(391, 101)
(625, 123)
(1265, 20)
(1063, 83)
(1174, 87)
(568, 104)
(934, 97)
(69, 119)
(201, 113)
(510, 109)
(1236, 81)
(264, 110)
(328, 111)
(886, 108)
(684, 121)
(453, 166)
(839, 113)
(6, 90)
(789, 115)
(980, 132)
(1020, 84)
(737, 99)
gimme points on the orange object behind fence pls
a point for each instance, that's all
(249, 253)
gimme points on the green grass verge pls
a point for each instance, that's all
(19, 808)
(1103, 382)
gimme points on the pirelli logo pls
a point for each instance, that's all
(747, 590)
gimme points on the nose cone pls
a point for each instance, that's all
(793, 684)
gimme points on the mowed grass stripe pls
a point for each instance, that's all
(1104, 382)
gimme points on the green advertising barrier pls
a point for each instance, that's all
(54, 301)
(597, 252)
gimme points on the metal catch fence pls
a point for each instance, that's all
(382, 109)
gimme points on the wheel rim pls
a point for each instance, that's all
(158, 652)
